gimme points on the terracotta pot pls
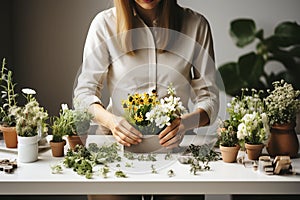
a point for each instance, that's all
(253, 150)
(283, 140)
(10, 136)
(75, 139)
(57, 148)
(229, 154)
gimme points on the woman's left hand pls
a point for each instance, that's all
(172, 135)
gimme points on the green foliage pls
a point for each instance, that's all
(249, 70)
(120, 174)
(201, 154)
(8, 96)
(227, 135)
(61, 125)
(70, 122)
(82, 159)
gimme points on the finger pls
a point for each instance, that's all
(174, 142)
(169, 136)
(123, 136)
(120, 140)
(124, 139)
(131, 129)
(174, 145)
(128, 133)
(121, 127)
(173, 125)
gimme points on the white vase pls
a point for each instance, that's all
(27, 149)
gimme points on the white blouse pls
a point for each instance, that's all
(187, 63)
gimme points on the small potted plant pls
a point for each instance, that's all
(254, 132)
(228, 141)
(79, 122)
(282, 105)
(30, 125)
(247, 117)
(61, 126)
(8, 100)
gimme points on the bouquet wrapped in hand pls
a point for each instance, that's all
(150, 115)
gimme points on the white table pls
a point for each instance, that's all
(224, 178)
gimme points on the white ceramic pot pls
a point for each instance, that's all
(27, 149)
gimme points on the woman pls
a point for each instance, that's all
(141, 45)
(122, 50)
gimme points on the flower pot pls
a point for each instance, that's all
(229, 154)
(253, 150)
(57, 148)
(27, 149)
(283, 140)
(10, 136)
(75, 139)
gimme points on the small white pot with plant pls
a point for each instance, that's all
(30, 125)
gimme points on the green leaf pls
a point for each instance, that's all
(295, 51)
(286, 59)
(251, 68)
(231, 78)
(287, 33)
(243, 31)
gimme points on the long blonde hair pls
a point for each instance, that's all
(169, 17)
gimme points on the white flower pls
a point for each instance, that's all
(242, 131)
(64, 106)
(163, 121)
(28, 91)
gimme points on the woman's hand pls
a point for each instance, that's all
(124, 132)
(120, 128)
(172, 135)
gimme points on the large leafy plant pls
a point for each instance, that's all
(249, 71)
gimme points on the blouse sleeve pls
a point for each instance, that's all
(204, 72)
(95, 64)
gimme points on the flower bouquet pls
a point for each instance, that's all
(136, 106)
(150, 115)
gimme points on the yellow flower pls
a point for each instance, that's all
(138, 117)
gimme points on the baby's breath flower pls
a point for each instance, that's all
(282, 103)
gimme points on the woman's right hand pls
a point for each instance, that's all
(125, 133)
(120, 128)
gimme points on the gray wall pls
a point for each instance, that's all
(6, 31)
(44, 38)
(48, 38)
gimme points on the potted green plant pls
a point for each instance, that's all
(61, 126)
(8, 100)
(250, 69)
(30, 125)
(282, 105)
(228, 141)
(78, 124)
